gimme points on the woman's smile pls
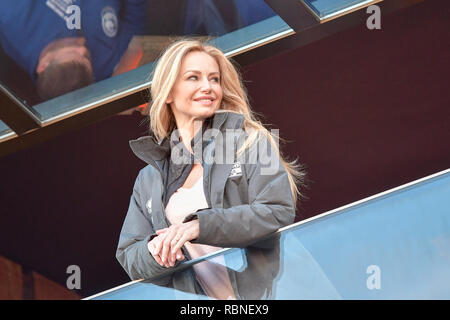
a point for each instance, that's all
(205, 100)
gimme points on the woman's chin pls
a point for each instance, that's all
(205, 112)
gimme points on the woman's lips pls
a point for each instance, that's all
(205, 101)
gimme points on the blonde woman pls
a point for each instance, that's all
(188, 202)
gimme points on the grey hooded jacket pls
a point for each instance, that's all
(249, 197)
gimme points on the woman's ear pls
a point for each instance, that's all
(169, 99)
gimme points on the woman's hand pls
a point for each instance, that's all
(173, 238)
(154, 243)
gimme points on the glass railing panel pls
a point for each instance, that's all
(89, 97)
(253, 35)
(79, 53)
(219, 17)
(139, 78)
(391, 246)
(326, 8)
(64, 45)
(398, 241)
(144, 290)
(4, 129)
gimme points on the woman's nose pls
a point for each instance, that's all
(205, 85)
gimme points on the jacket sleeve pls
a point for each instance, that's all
(132, 252)
(270, 207)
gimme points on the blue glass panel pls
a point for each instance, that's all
(327, 7)
(251, 34)
(405, 235)
(139, 78)
(81, 52)
(4, 129)
(148, 291)
(393, 246)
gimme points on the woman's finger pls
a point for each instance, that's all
(160, 231)
(176, 256)
(179, 243)
(189, 231)
(180, 255)
(159, 243)
(158, 260)
(173, 253)
(151, 248)
(164, 254)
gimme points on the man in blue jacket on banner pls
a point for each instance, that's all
(68, 44)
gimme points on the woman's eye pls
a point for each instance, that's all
(192, 78)
(215, 79)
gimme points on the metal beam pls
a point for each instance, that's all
(293, 13)
(16, 115)
(77, 121)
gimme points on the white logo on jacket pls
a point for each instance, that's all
(110, 23)
(149, 206)
(236, 170)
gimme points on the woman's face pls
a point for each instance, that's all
(197, 92)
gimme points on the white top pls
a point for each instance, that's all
(185, 201)
(211, 274)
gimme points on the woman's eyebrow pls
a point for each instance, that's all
(197, 71)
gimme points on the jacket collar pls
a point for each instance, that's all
(149, 150)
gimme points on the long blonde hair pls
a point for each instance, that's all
(235, 99)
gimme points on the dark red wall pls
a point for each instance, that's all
(365, 110)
